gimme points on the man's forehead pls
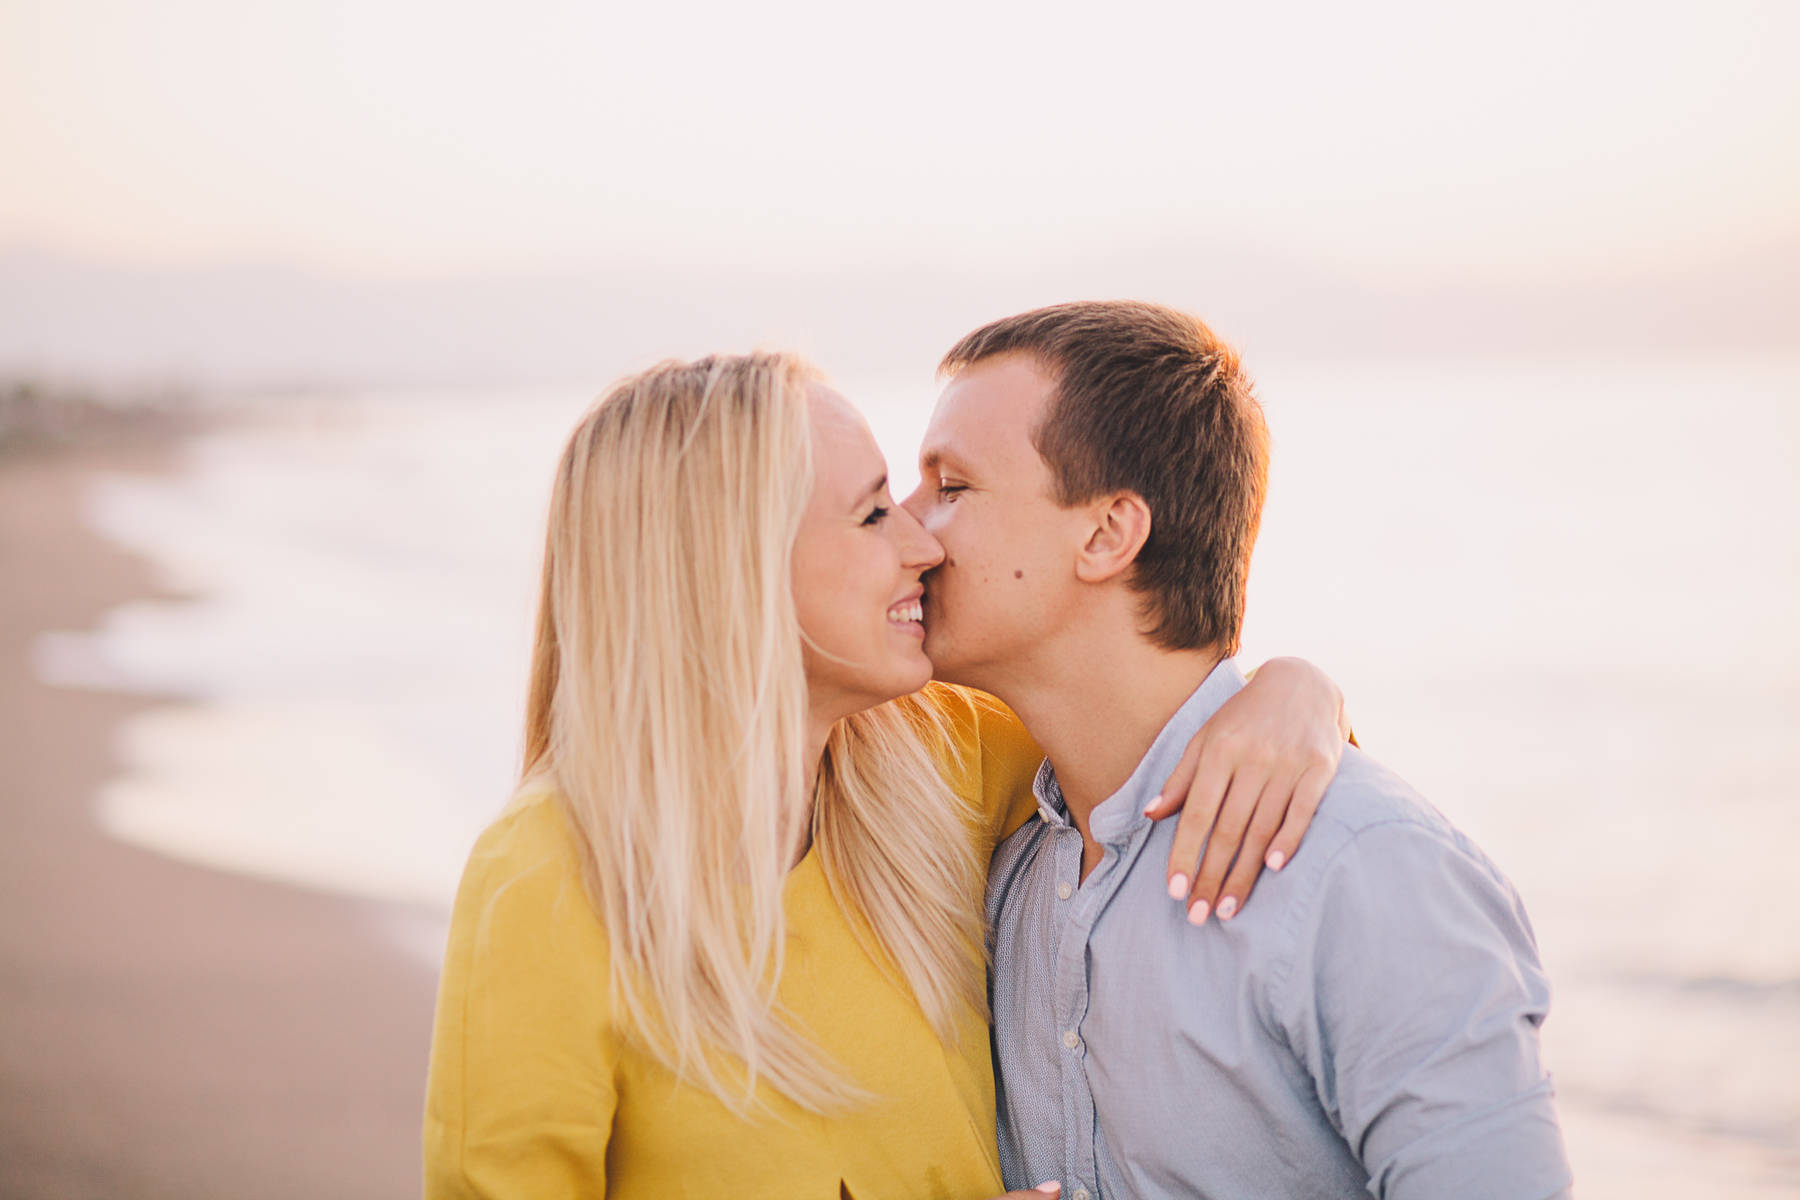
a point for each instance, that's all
(987, 414)
(952, 442)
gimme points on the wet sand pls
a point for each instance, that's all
(166, 1030)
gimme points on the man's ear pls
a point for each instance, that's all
(1121, 527)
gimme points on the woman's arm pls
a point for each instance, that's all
(519, 1098)
(1253, 776)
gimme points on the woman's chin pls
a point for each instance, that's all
(910, 678)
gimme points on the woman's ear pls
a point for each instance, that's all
(1121, 527)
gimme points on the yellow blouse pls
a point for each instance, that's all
(534, 1094)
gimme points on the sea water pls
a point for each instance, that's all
(1561, 600)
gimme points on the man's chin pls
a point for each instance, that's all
(944, 667)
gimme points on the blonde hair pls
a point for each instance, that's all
(668, 710)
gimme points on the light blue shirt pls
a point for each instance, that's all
(1368, 1024)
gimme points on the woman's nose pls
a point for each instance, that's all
(919, 549)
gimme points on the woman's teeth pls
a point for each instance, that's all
(912, 610)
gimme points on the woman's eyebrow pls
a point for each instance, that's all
(873, 489)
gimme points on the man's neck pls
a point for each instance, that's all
(1096, 708)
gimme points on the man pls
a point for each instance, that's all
(1096, 473)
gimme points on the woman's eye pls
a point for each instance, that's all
(876, 516)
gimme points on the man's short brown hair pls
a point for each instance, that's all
(1149, 400)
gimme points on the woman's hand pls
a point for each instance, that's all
(1259, 766)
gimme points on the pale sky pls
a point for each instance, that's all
(399, 136)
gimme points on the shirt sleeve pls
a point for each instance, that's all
(1414, 1000)
(520, 1094)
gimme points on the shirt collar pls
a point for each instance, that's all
(1120, 814)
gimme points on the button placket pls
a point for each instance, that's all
(1077, 927)
(1069, 987)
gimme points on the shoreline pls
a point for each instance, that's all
(171, 1030)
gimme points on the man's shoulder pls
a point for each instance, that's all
(1375, 831)
(1372, 828)
(1366, 793)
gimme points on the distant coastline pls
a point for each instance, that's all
(287, 327)
(38, 414)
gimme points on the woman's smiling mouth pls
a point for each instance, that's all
(909, 613)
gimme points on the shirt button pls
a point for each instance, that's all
(1071, 1039)
(1079, 1194)
(1064, 891)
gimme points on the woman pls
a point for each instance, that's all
(726, 938)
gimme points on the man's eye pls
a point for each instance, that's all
(876, 516)
(949, 491)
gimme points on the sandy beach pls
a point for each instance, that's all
(169, 1031)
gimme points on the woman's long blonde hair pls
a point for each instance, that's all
(668, 710)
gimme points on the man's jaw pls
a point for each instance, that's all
(933, 608)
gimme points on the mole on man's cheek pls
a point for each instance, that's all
(1018, 574)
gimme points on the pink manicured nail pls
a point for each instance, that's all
(1178, 885)
(1197, 914)
(1050, 1188)
(1276, 860)
(1227, 907)
(1150, 807)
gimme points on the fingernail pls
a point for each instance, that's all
(1227, 907)
(1197, 914)
(1050, 1188)
(1276, 860)
(1151, 807)
(1178, 885)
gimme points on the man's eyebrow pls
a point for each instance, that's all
(936, 457)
